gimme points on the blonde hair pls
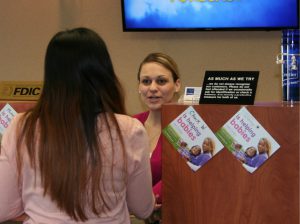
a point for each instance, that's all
(267, 145)
(211, 144)
(164, 60)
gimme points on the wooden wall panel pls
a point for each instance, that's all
(222, 191)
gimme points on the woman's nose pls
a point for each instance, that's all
(153, 86)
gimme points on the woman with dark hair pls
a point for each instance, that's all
(74, 157)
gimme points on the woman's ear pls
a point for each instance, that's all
(177, 85)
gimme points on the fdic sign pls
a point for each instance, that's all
(15, 90)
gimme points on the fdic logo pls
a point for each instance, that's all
(24, 91)
(20, 90)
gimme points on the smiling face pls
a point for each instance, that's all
(262, 146)
(206, 145)
(251, 152)
(196, 150)
(156, 85)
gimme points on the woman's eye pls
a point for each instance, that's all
(161, 81)
(146, 82)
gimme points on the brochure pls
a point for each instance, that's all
(192, 138)
(247, 140)
(6, 115)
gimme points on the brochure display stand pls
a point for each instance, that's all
(222, 191)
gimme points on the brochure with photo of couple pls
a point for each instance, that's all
(247, 140)
(192, 138)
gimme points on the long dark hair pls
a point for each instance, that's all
(61, 133)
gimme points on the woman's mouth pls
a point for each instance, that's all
(153, 98)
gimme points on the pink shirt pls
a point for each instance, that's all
(137, 196)
(156, 160)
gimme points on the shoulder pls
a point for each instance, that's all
(130, 126)
(264, 156)
(125, 120)
(135, 137)
(142, 117)
(206, 156)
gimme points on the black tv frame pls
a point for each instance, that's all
(126, 29)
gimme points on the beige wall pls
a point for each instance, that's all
(26, 26)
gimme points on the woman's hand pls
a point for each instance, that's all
(155, 217)
(20, 218)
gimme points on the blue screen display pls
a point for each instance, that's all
(210, 14)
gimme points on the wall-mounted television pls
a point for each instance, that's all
(189, 15)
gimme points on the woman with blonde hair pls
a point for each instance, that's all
(159, 83)
(264, 151)
(208, 145)
(208, 148)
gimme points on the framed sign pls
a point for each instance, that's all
(229, 87)
(20, 90)
(192, 94)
